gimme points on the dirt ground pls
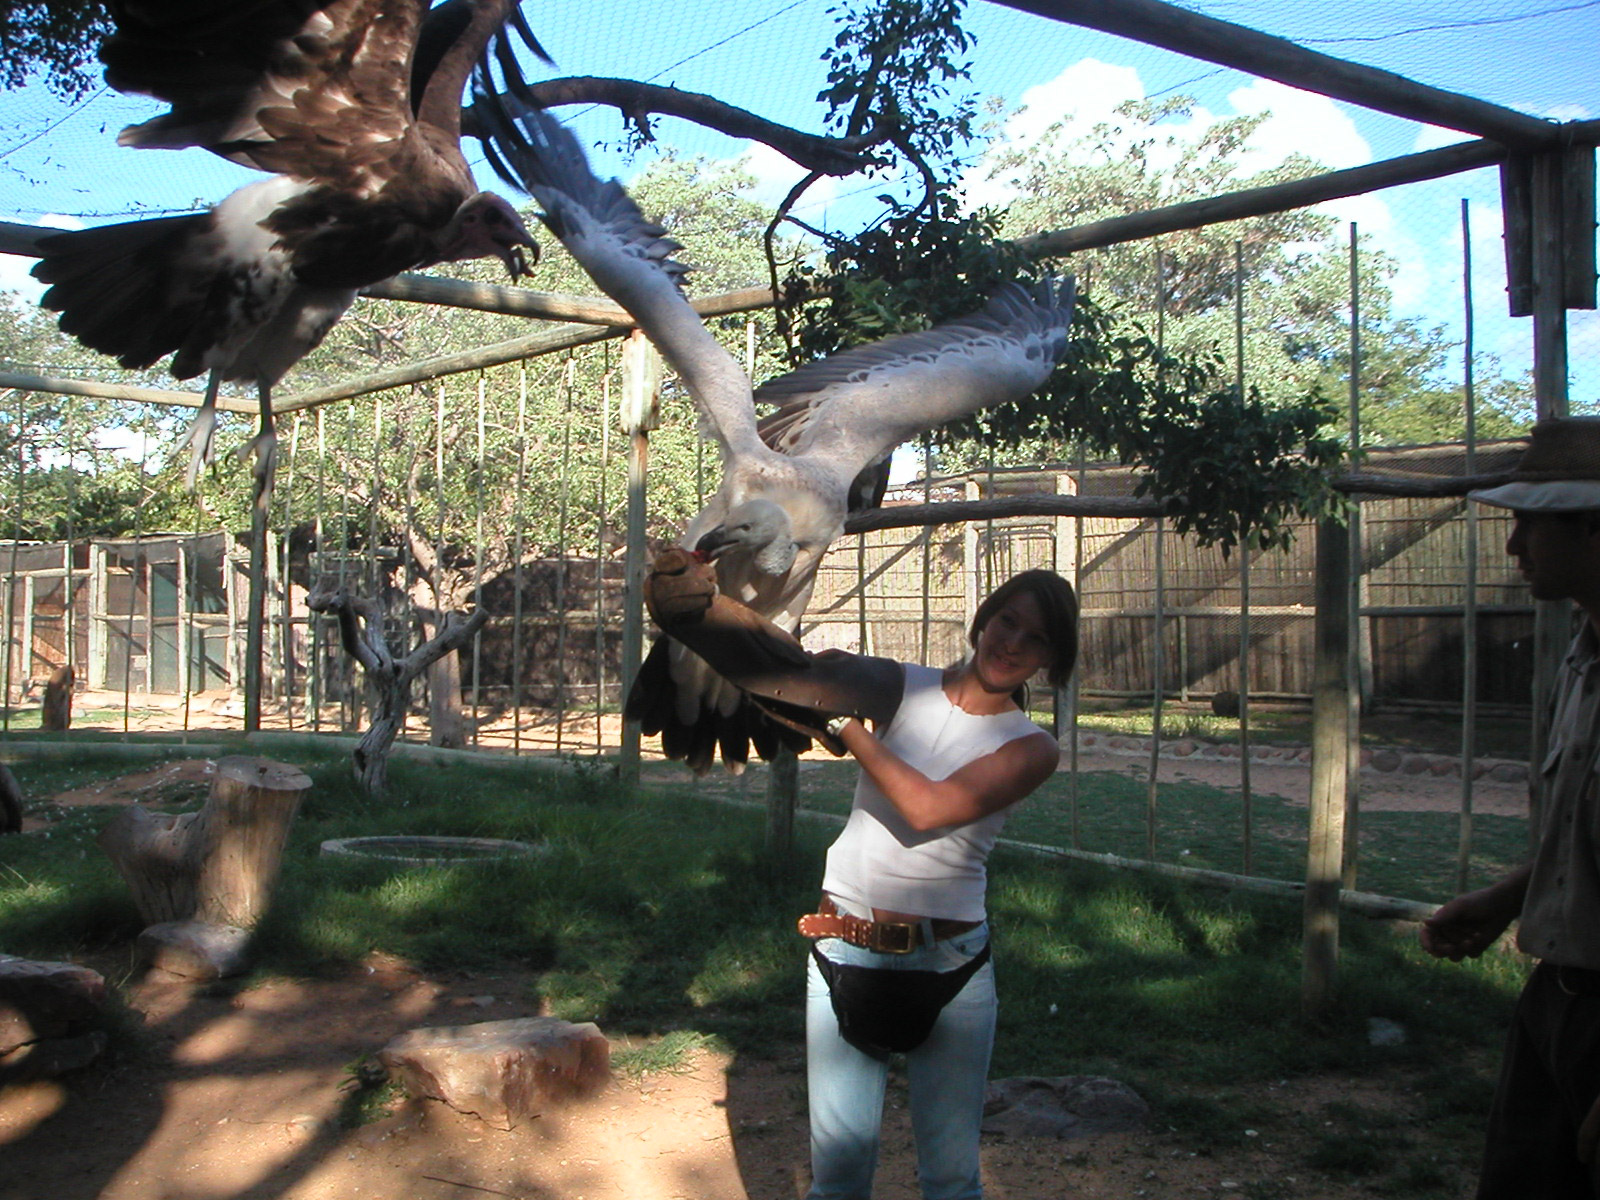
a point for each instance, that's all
(239, 1095)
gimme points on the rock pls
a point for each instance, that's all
(196, 949)
(1415, 764)
(1383, 1032)
(1509, 772)
(1184, 748)
(1065, 1106)
(502, 1070)
(41, 1000)
(1387, 760)
(50, 1057)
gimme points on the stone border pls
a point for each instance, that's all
(1381, 760)
(492, 849)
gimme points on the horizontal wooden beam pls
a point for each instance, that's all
(1274, 198)
(26, 382)
(1262, 54)
(1415, 486)
(951, 512)
(488, 297)
(530, 346)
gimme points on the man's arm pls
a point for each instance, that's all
(754, 654)
(1468, 925)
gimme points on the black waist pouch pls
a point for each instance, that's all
(882, 1010)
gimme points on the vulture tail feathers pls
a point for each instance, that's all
(652, 702)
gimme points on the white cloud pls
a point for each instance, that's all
(1086, 93)
(775, 175)
(1300, 123)
(14, 268)
(1433, 137)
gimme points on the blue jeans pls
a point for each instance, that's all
(947, 1074)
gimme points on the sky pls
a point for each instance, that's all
(60, 166)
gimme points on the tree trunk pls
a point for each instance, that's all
(389, 697)
(217, 865)
(447, 723)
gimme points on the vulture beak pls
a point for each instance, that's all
(520, 262)
(713, 543)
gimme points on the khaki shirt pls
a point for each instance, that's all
(1561, 914)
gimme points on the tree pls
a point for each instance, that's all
(57, 37)
(1294, 269)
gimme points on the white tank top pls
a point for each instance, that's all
(879, 861)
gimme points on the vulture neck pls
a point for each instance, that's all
(440, 105)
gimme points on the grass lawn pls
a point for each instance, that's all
(1290, 725)
(658, 916)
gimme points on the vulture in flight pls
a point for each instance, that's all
(353, 107)
(788, 480)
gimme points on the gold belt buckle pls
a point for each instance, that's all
(906, 930)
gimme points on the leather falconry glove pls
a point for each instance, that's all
(815, 725)
(754, 654)
(680, 587)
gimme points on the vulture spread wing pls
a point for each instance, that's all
(630, 259)
(853, 408)
(353, 107)
(789, 480)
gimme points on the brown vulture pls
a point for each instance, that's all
(354, 108)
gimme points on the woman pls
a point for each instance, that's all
(901, 956)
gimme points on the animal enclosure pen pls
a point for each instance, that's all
(545, 674)
(1164, 623)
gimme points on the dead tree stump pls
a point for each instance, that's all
(390, 675)
(217, 865)
(57, 711)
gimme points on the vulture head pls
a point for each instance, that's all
(759, 528)
(486, 224)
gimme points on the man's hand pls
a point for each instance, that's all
(680, 587)
(1469, 924)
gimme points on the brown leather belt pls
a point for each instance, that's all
(885, 937)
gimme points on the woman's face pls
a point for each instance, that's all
(1013, 646)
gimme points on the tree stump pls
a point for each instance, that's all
(57, 711)
(217, 865)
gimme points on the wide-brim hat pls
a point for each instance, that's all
(1559, 471)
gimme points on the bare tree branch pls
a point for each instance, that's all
(637, 101)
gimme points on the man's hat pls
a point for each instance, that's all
(1559, 472)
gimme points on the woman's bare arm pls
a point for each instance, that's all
(983, 786)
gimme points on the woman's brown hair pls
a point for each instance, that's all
(1059, 605)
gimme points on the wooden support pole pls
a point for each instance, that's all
(1329, 765)
(783, 797)
(641, 375)
(1552, 619)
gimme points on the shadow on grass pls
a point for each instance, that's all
(658, 914)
